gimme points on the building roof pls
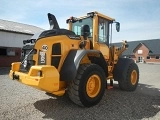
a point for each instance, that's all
(153, 45)
(11, 26)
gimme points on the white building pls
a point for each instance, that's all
(12, 35)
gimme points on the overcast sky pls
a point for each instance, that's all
(140, 19)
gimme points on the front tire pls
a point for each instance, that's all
(132, 79)
(89, 85)
(127, 74)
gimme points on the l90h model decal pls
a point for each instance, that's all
(42, 58)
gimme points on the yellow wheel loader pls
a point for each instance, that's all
(78, 61)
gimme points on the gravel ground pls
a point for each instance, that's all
(20, 102)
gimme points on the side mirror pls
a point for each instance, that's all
(85, 31)
(117, 26)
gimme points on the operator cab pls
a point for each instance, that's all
(99, 26)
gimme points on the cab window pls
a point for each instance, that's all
(103, 26)
(76, 26)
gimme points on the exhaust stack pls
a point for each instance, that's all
(53, 21)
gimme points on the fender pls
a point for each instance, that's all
(71, 64)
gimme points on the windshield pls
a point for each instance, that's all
(76, 26)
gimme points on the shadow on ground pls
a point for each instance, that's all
(116, 104)
(4, 70)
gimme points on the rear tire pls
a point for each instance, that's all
(89, 85)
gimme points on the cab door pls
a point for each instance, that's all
(102, 42)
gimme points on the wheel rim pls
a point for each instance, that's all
(93, 86)
(134, 77)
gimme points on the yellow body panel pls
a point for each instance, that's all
(48, 81)
(66, 45)
(103, 48)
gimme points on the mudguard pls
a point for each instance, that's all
(71, 64)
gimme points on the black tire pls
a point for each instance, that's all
(78, 89)
(127, 74)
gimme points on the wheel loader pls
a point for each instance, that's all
(78, 61)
